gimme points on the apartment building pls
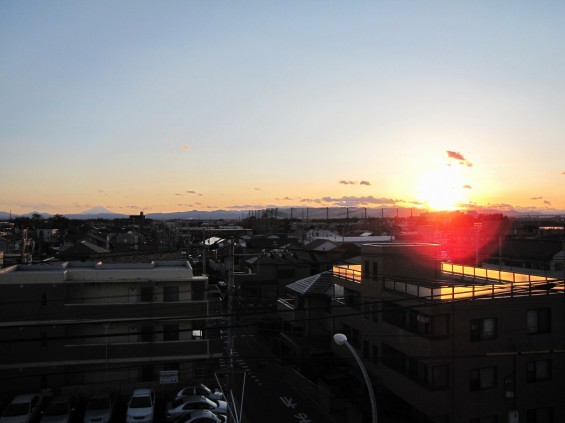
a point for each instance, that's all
(89, 325)
(442, 343)
(456, 344)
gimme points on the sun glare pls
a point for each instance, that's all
(442, 189)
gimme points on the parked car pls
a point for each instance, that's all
(182, 405)
(99, 409)
(201, 416)
(59, 410)
(22, 409)
(201, 389)
(141, 406)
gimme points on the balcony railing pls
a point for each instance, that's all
(350, 272)
(448, 292)
(464, 282)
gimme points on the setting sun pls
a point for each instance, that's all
(442, 189)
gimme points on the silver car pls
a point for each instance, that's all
(201, 389)
(59, 410)
(22, 409)
(99, 409)
(182, 405)
(141, 406)
(201, 416)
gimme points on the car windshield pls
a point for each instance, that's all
(177, 402)
(57, 409)
(98, 404)
(18, 409)
(140, 402)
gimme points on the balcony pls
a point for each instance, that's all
(115, 353)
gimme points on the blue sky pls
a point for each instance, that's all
(181, 105)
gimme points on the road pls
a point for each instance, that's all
(267, 394)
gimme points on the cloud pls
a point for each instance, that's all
(185, 147)
(547, 203)
(467, 187)
(190, 192)
(359, 201)
(344, 182)
(459, 157)
(536, 198)
(257, 189)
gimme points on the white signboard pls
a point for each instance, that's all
(167, 377)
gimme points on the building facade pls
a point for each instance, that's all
(452, 343)
(84, 326)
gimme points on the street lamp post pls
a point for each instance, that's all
(341, 339)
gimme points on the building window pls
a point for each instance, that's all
(44, 298)
(440, 326)
(484, 378)
(366, 350)
(43, 339)
(538, 370)
(436, 377)
(354, 338)
(539, 320)
(416, 321)
(375, 270)
(196, 334)
(171, 366)
(171, 332)
(371, 311)
(146, 294)
(353, 298)
(170, 294)
(375, 354)
(147, 372)
(483, 329)
(440, 377)
(339, 292)
(540, 415)
(146, 334)
(366, 269)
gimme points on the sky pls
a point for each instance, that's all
(162, 106)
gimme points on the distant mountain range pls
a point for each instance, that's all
(308, 213)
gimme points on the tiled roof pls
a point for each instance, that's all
(312, 285)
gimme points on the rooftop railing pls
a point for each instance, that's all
(460, 282)
(350, 272)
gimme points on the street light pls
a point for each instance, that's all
(341, 339)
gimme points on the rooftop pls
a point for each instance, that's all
(459, 282)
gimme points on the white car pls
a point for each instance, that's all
(59, 410)
(141, 406)
(201, 416)
(99, 409)
(182, 405)
(22, 409)
(201, 389)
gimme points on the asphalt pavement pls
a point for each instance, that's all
(267, 394)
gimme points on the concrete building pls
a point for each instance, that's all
(86, 325)
(442, 343)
